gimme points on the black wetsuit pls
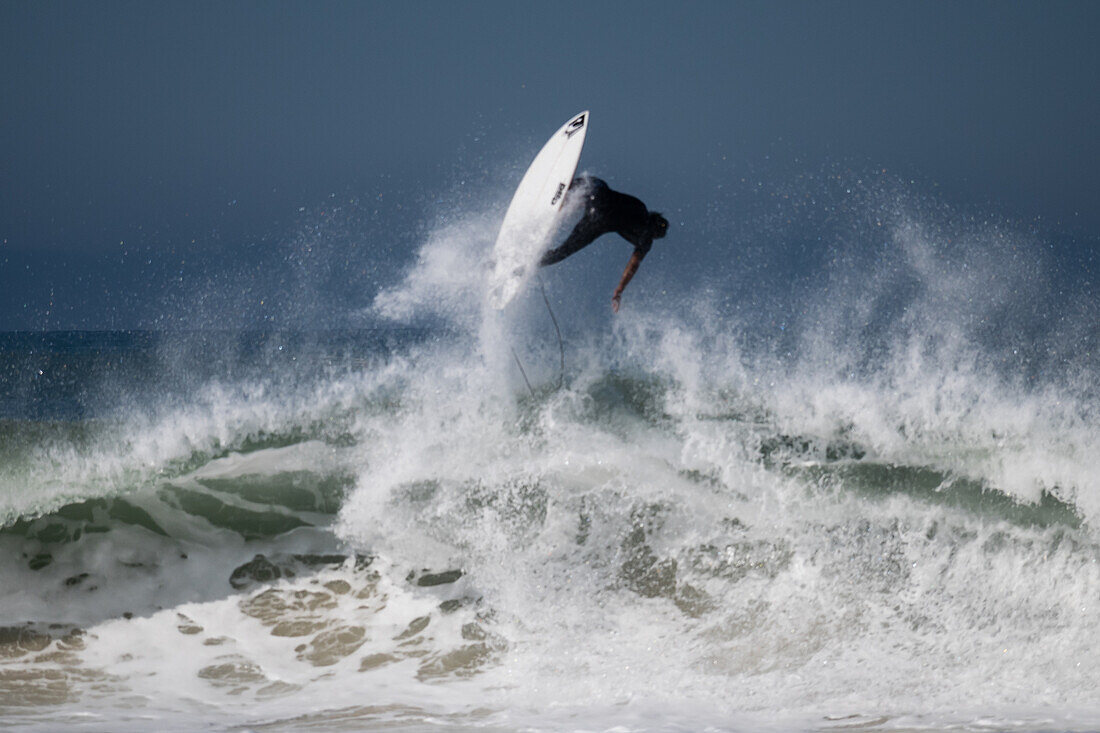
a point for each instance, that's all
(605, 211)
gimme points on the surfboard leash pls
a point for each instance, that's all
(521, 371)
(561, 343)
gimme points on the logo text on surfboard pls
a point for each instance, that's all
(557, 194)
(575, 126)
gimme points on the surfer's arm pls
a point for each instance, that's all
(628, 273)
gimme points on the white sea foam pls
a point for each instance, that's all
(695, 532)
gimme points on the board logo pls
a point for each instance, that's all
(557, 194)
(575, 126)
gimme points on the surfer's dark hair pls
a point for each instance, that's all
(658, 225)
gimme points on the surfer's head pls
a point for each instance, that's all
(658, 225)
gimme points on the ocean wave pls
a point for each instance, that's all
(875, 512)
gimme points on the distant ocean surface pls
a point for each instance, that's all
(889, 525)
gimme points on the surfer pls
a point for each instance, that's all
(608, 211)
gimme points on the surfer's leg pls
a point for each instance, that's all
(583, 234)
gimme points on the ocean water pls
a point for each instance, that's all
(879, 514)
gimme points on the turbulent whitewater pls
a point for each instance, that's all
(873, 505)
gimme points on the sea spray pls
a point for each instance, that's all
(863, 512)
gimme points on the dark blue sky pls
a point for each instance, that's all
(165, 164)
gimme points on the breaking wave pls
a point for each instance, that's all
(871, 502)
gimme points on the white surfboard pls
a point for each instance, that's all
(532, 215)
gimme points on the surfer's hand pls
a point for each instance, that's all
(615, 299)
